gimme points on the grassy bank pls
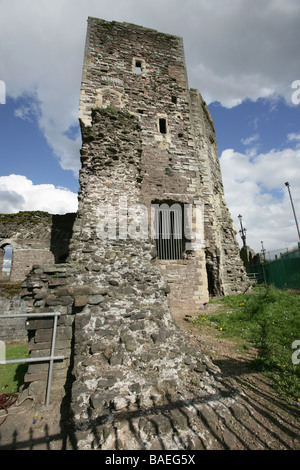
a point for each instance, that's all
(12, 375)
(268, 319)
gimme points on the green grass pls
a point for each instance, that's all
(12, 375)
(268, 319)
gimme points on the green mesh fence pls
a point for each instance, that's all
(285, 271)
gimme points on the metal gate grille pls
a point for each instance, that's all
(168, 229)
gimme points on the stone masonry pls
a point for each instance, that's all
(143, 72)
(35, 238)
(133, 380)
(140, 71)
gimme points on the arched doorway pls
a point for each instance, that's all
(6, 255)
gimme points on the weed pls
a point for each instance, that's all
(269, 320)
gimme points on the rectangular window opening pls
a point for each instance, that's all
(162, 126)
(168, 225)
(138, 67)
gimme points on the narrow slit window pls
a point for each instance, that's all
(7, 255)
(138, 67)
(162, 126)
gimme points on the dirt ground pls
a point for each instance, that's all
(276, 422)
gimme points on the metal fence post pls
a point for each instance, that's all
(51, 361)
(50, 358)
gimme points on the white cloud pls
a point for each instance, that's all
(17, 193)
(28, 112)
(255, 188)
(234, 50)
(294, 138)
(252, 145)
(243, 49)
(249, 140)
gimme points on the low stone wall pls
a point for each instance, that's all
(12, 329)
(130, 378)
(47, 289)
(131, 361)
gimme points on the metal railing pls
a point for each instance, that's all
(50, 358)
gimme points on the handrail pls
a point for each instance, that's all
(50, 358)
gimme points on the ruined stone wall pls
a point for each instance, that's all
(48, 289)
(129, 359)
(135, 381)
(130, 376)
(168, 169)
(180, 164)
(12, 329)
(36, 238)
(225, 270)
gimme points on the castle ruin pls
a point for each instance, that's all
(151, 241)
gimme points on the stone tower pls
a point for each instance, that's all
(151, 238)
(149, 141)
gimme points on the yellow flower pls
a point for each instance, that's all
(221, 329)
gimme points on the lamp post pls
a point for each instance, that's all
(242, 232)
(288, 186)
(263, 250)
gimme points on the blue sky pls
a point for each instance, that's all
(266, 123)
(242, 56)
(25, 148)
